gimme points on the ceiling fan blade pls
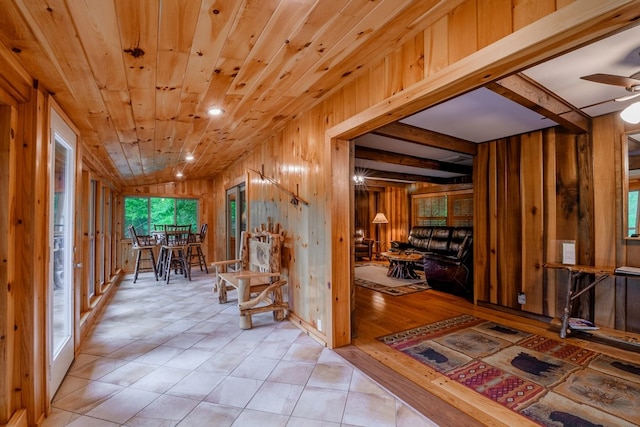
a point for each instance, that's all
(610, 79)
(626, 98)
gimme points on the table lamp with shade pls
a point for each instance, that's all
(380, 218)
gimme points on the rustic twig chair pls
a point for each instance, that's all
(257, 276)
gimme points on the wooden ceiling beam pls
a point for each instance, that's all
(373, 184)
(406, 160)
(429, 138)
(631, 127)
(528, 93)
(375, 174)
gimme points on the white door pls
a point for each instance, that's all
(61, 286)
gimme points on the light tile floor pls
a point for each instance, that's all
(171, 355)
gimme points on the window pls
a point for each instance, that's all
(431, 210)
(100, 238)
(92, 239)
(443, 209)
(461, 210)
(145, 212)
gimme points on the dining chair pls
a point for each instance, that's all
(195, 249)
(159, 235)
(142, 244)
(175, 249)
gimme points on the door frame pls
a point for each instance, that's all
(238, 191)
(58, 366)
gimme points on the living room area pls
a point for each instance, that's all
(419, 339)
(415, 227)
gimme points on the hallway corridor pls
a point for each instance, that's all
(170, 355)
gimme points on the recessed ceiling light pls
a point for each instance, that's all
(179, 174)
(189, 157)
(215, 111)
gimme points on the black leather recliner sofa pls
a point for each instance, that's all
(447, 256)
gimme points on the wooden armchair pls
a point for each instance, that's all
(256, 276)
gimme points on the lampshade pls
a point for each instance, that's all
(631, 114)
(380, 219)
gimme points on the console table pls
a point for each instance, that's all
(575, 272)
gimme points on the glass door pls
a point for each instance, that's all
(236, 219)
(91, 259)
(61, 286)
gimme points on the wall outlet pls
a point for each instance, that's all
(319, 324)
(522, 298)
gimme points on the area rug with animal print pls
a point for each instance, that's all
(549, 381)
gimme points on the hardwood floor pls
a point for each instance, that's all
(444, 401)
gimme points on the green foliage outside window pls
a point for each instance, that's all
(187, 213)
(232, 215)
(632, 221)
(136, 213)
(431, 210)
(453, 210)
(145, 212)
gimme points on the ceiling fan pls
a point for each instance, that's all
(631, 83)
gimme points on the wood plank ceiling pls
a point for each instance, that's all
(137, 77)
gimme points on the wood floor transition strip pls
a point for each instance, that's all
(417, 397)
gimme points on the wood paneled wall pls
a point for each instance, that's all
(513, 238)
(8, 351)
(23, 341)
(393, 201)
(476, 42)
(534, 192)
(32, 217)
(364, 204)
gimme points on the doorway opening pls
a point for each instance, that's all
(236, 218)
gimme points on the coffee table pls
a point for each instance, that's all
(401, 264)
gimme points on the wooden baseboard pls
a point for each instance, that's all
(308, 329)
(87, 319)
(18, 419)
(515, 312)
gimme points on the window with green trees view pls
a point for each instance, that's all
(145, 212)
(438, 209)
(632, 222)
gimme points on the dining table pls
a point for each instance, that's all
(165, 238)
